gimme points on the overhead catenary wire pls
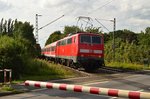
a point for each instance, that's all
(88, 23)
(51, 22)
(102, 25)
(105, 19)
(108, 2)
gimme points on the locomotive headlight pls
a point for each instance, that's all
(99, 56)
(82, 55)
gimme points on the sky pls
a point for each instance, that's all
(133, 15)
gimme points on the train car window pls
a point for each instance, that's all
(61, 42)
(64, 42)
(52, 49)
(58, 43)
(69, 41)
(74, 39)
(85, 39)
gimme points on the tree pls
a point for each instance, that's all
(147, 30)
(93, 30)
(6, 27)
(130, 47)
(71, 29)
(24, 30)
(125, 35)
(54, 37)
(106, 37)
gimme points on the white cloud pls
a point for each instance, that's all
(52, 3)
(4, 6)
(139, 22)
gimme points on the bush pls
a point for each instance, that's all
(12, 55)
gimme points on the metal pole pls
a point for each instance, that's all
(5, 78)
(114, 28)
(10, 75)
(36, 27)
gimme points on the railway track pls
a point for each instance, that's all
(110, 70)
(102, 70)
(106, 70)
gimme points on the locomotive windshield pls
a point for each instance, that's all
(96, 40)
(90, 39)
(85, 39)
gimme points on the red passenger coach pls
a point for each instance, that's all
(49, 51)
(78, 50)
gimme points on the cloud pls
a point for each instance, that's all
(144, 13)
(75, 7)
(52, 3)
(4, 6)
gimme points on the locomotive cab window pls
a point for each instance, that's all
(96, 40)
(85, 39)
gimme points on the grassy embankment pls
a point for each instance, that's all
(127, 66)
(43, 70)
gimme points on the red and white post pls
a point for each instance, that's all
(5, 75)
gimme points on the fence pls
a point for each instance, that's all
(5, 75)
(91, 90)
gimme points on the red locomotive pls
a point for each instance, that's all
(78, 50)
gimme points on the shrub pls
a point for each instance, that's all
(12, 55)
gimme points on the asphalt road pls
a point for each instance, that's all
(135, 82)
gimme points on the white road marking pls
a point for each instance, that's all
(92, 83)
(141, 90)
(41, 89)
(113, 98)
(116, 74)
(70, 79)
(132, 76)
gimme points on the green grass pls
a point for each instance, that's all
(126, 66)
(42, 70)
(8, 88)
(5, 88)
